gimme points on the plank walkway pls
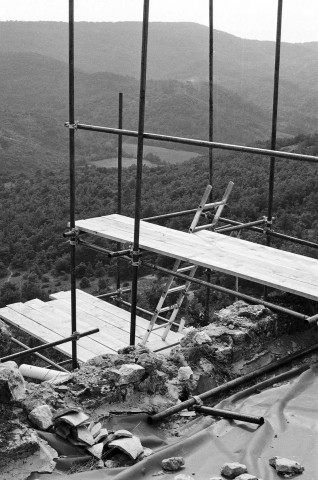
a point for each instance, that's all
(285, 271)
(51, 321)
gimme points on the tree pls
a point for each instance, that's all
(9, 293)
(85, 283)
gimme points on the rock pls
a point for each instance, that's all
(185, 373)
(182, 476)
(41, 417)
(100, 464)
(5, 339)
(149, 361)
(41, 461)
(127, 373)
(172, 464)
(147, 452)
(284, 466)
(233, 470)
(111, 464)
(201, 337)
(216, 478)
(176, 356)
(17, 442)
(246, 476)
(12, 385)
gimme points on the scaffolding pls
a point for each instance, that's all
(134, 255)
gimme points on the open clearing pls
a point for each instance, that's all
(165, 154)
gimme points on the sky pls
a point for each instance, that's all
(254, 19)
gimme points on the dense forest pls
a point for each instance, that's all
(35, 211)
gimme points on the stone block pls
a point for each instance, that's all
(127, 373)
(286, 467)
(233, 470)
(12, 385)
(172, 464)
(185, 373)
(41, 417)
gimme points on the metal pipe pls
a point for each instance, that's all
(216, 412)
(72, 338)
(202, 143)
(228, 291)
(146, 312)
(211, 95)
(240, 227)
(114, 294)
(119, 173)
(72, 178)
(300, 241)
(232, 384)
(274, 113)
(97, 248)
(311, 320)
(53, 364)
(180, 214)
(140, 147)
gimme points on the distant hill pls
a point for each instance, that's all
(34, 107)
(180, 51)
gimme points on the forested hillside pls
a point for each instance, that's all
(35, 209)
(179, 51)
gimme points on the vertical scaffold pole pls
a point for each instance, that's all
(211, 45)
(274, 124)
(274, 114)
(141, 125)
(72, 176)
(120, 169)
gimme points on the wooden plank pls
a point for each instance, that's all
(119, 320)
(60, 325)
(104, 343)
(41, 333)
(283, 270)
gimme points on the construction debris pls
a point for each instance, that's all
(172, 464)
(233, 470)
(41, 417)
(12, 386)
(285, 467)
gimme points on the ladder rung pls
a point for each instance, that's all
(185, 269)
(166, 309)
(176, 289)
(160, 326)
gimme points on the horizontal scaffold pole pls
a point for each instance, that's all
(71, 338)
(53, 364)
(200, 143)
(228, 291)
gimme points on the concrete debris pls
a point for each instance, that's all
(41, 417)
(18, 442)
(172, 464)
(185, 373)
(285, 467)
(130, 446)
(233, 470)
(74, 419)
(129, 373)
(41, 461)
(12, 385)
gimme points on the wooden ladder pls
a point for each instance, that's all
(189, 269)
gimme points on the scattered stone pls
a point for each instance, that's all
(147, 452)
(150, 362)
(41, 461)
(232, 470)
(111, 464)
(185, 373)
(127, 373)
(201, 337)
(172, 464)
(96, 450)
(130, 446)
(17, 442)
(216, 478)
(100, 464)
(285, 467)
(41, 417)
(12, 385)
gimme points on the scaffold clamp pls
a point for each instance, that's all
(135, 256)
(71, 126)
